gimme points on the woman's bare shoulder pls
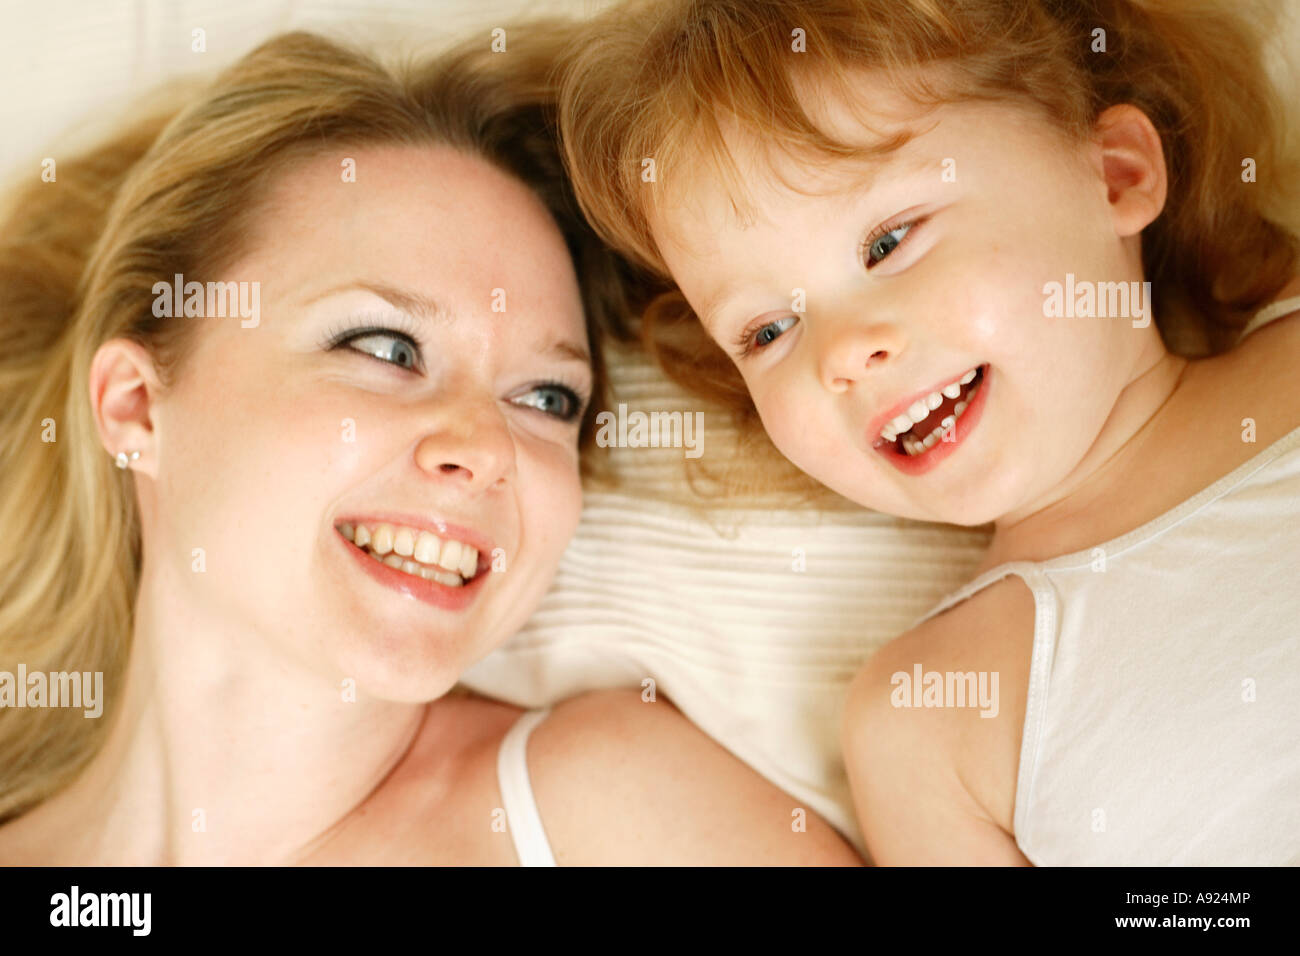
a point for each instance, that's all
(623, 779)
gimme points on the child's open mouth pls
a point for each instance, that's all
(931, 427)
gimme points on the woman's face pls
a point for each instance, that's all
(851, 296)
(419, 364)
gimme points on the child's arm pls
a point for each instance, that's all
(936, 785)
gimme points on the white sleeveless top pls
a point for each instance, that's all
(522, 818)
(1162, 722)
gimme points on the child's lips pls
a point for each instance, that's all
(911, 410)
(929, 459)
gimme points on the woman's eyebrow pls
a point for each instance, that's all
(405, 300)
(421, 306)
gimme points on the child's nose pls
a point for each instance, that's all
(849, 349)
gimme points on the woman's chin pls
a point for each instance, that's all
(412, 671)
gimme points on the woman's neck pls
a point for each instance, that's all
(223, 751)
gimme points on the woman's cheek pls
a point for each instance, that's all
(551, 494)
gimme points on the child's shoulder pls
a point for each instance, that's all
(1253, 385)
(984, 641)
(1267, 356)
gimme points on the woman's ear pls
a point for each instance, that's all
(123, 387)
(1132, 163)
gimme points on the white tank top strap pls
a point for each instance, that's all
(1270, 312)
(1026, 570)
(522, 818)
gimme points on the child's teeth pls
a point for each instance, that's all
(404, 542)
(468, 561)
(363, 536)
(902, 429)
(393, 561)
(347, 531)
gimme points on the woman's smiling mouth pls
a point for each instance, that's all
(443, 569)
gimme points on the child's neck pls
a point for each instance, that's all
(1050, 525)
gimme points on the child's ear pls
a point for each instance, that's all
(123, 387)
(1132, 163)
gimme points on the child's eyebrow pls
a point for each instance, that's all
(715, 304)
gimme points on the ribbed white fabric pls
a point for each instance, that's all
(522, 817)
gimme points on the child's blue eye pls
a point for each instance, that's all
(883, 243)
(767, 334)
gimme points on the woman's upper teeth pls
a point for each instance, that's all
(422, 547)
(922, 407)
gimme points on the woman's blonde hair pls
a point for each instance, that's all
(176, 193)
(662, 80)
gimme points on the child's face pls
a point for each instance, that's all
(999, 205)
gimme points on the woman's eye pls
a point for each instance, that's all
(557, 401)
(392, 347)
(770, 332)
(882, 245)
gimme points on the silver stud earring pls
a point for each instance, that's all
(123, 459)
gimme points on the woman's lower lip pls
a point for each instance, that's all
(920, 464)
(430, 592)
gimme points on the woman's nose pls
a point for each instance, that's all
(848, 349)
(468, 442)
